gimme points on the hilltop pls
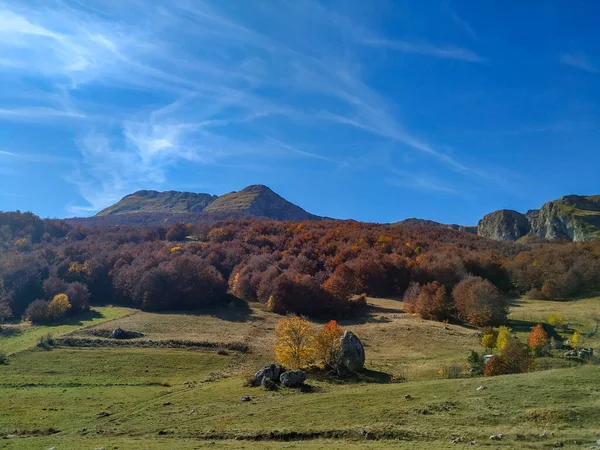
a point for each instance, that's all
(255, 200)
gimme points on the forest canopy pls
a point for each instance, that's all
(310, 268)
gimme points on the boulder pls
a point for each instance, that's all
(352, 353)
(585, 353)
(272, 372)
(119, 333)
(293, 378)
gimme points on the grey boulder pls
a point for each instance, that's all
(352, 353)
(271, 372)
(293, 378)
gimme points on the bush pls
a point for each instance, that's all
(434, 303)
(451, 371)
(58, 307)
(480, 302)
(46, 342)
(556, 319)
(3, 357)
(38, 312)
(79, 297)
(515, 358)
(476, 362)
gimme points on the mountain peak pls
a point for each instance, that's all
(255, 200)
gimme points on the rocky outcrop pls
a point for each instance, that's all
(572, 218)
(351, 356)
(271, 372)
(503, 225)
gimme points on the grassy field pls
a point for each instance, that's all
(142, 398)
(15, 338)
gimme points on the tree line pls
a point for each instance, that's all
(317, 269)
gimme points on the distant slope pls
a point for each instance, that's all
(413, 222)
(572, 218)
(256, 200)
(154, 201)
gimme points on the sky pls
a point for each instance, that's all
(372, 110)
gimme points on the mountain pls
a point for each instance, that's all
(154, 201)
(413, 222)
(255, 200)
(573, 218)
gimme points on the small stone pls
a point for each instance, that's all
(481, 388)
(473, 443)
(496, 437)
(407, 397)
(558, 444)
(166, 403)
(245, 398)
(102, 414)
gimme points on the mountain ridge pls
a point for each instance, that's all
(255, 200)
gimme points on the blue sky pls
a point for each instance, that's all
(376, 111)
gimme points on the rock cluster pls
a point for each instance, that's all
(269, 376)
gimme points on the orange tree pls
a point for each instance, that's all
(538, 339)
(295, 342)
(328, 342)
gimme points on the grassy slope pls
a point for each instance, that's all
(20, 337)
(171, 202)
(70, 387)
(234, 201)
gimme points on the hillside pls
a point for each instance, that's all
(572, 218)
(413, 222)
(255, 200)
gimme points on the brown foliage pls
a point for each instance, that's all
(479, 302)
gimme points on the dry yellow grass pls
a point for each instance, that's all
(396, 343)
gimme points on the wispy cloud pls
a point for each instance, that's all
(460, 21)
(418, 182)
(209, 87)
(578, 60)
(427, 49)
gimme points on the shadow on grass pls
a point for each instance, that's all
(364, 376)
(237, 310)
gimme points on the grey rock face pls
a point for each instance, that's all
(352, 353)
(293, 378)
(271, 372)
(503, 225)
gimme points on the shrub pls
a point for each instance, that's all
(38, 312)
(504, 335)
(576, 339)
(328, 343)
(434, 303)
(489, 339)
(451, 371)
(556, 319)
(3, 357)
(476, 362)
(410, 297)
(514, 358)
(58, 307)
(479, 302)
(46, 342)
(79, 297)
(294, 342)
